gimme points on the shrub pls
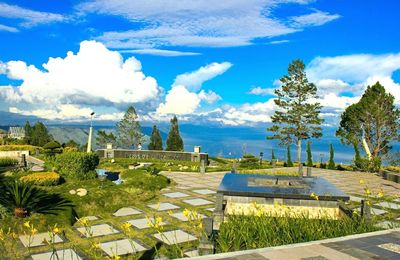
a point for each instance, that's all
(42, 178)
(249, 161)
(145, 180)
(367, 165)
(30, 148)
(78, 165)
(5, 162)
(52, 148)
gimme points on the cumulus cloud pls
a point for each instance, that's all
(353, 73)
(28, 17)
(93, 76)
(193, 80)
(209, 96)
(202, 23)
(179, 101)
(259, 91)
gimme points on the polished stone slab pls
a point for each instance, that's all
(38, 239)
(198, 202)
(163, 206)
(143, 223)
(272, 186)
(121, 247)
(97, 230)
(174, 237)
(126, 212)
(64, 254)
(174, 195)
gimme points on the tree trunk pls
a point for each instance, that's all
(299, 157)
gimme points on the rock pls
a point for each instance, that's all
(72, 192)
(81, 192)
(37, 168)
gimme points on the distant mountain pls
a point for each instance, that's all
(8, 118)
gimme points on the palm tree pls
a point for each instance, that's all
(24, 199)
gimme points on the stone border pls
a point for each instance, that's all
(269, 249)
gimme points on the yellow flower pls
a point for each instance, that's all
(116, 257)
(83, 221)
(56, 230)
(380, 194)
(186, 213)
(259, 213)
(361, 181)
(367, 191)
(34, 231)
(170, 212)
(200, 225)
(126, 225)
(158, 220)
(27, 224)
(368, 202)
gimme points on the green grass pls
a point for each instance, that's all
(249, 232)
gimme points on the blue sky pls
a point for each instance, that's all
(202, 60)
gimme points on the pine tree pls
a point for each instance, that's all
(155, 140)
(297, 118)
(174, 140)
(40, 135)
(28, 132)
(331, 164)
(309, 155)
(102, 138)
(129, 132)
(273, 158)
(289, 162)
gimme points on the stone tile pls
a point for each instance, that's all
(141, 223)
(192, 253)
(180, 216)
(38, 239)
(391, 247)
(389, 205)
(374, 211)
(126, 212)
(211, 209)
(163, 206)
(198, 202)
(98, 230)
(388, 224)
(174, 237)
(356, 199)
(89, 218)
(204, 191)
(121, 247)
(64, 254)
(175, 195)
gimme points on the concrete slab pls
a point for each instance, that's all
(98, 230)
(181, 217)
(175, 195)
(204, 191)
(65, 254)
(192, 253)
(389, 205)
(142, 223)
(163, 206)
(38, 239)
(126, 212)
(121, 247)
(198, 202)
(89, 218)
(374, 211)
(174, 237)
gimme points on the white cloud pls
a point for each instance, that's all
(193, 80)
(259, 91)
(209, 96)
(279, 42)
(353, 73)
(93, 76)
(314, 19)
(159, 52)
(202, 23)
(29, 17)
(8, 28)
(179, 101)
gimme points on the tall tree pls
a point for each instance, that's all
(174, 140)
(155, 140)
(40, 135)
(28, 132)
(289, 162)
(331, 163)
(129, 132)
(309, 155)
(298, 116)
(374, 120)
(273, 158)
(102, 138)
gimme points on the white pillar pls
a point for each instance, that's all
(89, 144)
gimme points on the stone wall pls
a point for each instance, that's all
(150, 154)
(13, 154)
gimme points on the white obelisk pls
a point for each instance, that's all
(89, 144)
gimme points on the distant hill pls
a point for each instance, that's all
(7, 118)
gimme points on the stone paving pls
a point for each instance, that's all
(64, 254)
(38, 239)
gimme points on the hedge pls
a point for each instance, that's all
(42, 178)
(22, 147)
(77, 165)
(5, 162)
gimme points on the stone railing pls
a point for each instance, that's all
(152, 154)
